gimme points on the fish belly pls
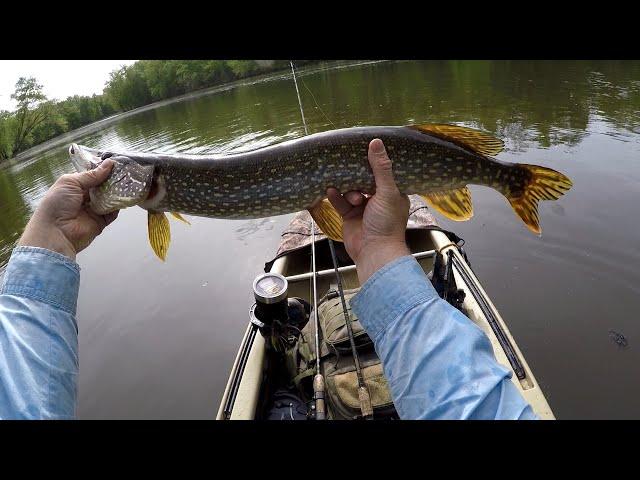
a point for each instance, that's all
(237, 196)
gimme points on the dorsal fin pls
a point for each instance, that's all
(453, 204)
(474, 140)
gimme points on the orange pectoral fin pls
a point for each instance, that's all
(159, 234)
(328, 219)
(180, 217)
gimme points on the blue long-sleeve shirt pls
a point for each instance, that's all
(38, 335)
(437, 362)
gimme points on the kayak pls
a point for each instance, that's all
(440, 253)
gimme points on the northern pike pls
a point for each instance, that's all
(435, 161)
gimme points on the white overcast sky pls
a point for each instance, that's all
(60, 78)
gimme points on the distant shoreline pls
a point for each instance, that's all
(98, 125)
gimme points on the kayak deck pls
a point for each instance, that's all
(242, 394)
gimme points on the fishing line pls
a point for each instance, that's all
(318, 380)
(304, 122)
(314, 101)
(363, 392)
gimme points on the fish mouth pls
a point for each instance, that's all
(82, 159)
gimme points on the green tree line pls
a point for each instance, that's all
(38, 119)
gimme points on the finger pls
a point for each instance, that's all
(95, 177)
(110, 217)
(355, 198)
(382, 167)
(100, 221)
(340, 203)
(355, 212)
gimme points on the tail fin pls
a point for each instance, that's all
(542, 184)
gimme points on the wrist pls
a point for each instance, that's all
(44, 235)
(376, 255)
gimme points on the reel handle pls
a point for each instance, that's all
(318, 393)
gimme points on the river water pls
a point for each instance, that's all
(157, 339)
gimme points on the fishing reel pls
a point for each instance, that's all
(279, 318)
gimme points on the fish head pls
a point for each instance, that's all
(83, 158)
(129, 183)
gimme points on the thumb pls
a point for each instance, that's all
(95, 177)
(382, 168)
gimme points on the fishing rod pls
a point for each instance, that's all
(363, 392)
(318, 381)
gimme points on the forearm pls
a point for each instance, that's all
(437, 362)
(38, 335)
(377, 257)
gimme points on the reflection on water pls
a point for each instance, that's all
(251, 227)
(14, 215)
(523, 102)
(166, 351)
(21, 187)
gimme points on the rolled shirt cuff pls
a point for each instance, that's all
(41, 274)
